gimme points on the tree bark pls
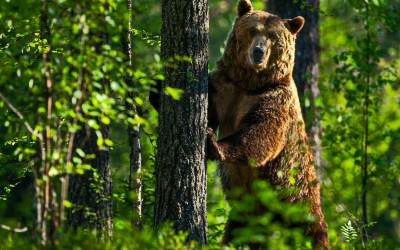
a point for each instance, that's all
(135, 165)
(135, 179)
(180, 161)
(306, 69)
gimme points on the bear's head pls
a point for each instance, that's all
(261, 44)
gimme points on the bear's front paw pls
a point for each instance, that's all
(213, 150)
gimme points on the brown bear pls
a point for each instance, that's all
(253, 101)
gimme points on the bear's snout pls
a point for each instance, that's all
(258, 54)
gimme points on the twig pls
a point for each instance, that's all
(15, 230)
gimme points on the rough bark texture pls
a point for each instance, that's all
(306, 69)
(91, 193)
(180, 168)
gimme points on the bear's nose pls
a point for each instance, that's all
(259, 51)
(258, 54)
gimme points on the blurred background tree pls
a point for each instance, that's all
(306, 70)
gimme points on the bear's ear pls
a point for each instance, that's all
(294, 25)
(244, 7)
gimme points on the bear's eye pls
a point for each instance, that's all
(271, 35)
(253, 31)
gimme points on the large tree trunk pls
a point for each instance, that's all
(180, 160)
(306, 69)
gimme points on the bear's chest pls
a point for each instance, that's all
(233, 105)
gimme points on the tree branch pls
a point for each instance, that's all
(15, 230)
(19, 114)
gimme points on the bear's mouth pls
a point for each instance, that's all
(257, 58)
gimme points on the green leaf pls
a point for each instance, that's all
(108, 142)
(292, 180)
(80, 152)
(115, 86)
(105, 120)
(175, 93)
(139, 101)
(93, 124)
(53, 172)
(67, 204)
(42, 110)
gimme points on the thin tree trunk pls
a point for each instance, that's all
(135, 180)
(306, 69)
(180, 161)
(364, 164)
(47, 208)
(42, 235)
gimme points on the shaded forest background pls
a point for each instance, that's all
(100, 91)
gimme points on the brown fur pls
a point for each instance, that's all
(257, 110)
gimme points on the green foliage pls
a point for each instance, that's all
(124, 238)
(279, 227)
(359, 78)
(349, 232)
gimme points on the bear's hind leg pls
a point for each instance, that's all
(320, 237)
(230, 227)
